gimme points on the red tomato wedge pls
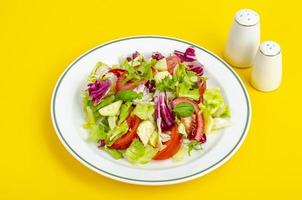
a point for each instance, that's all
(126, 86)
(198, 131)
(117, 71)
(202, 89)
(124, 141)
(172, 147)
(172, 61)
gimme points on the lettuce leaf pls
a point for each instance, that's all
(148, 155)
(99, 69)
(124, 112)
(144, 111)
(137, 153)
(117, 132)
(194, 145)
(214, 103)
(216, 113)
(186, 91)
(116, 154)
(128, 95)
(187, 83)
(96, 133)
(179, 156)
(105, 102)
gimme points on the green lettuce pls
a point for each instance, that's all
(187, 83)
(124, 112)
(144, 111)
(113, 152)
(179, 156)
(117, 132)
(105, 102)
(138, 153)
(96, 133)
(185, 90)
(214, 107)
(194, 145)
(94, 74)
(214, 103)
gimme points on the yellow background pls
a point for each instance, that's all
(38, 39)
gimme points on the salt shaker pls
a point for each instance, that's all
(244, 39)
(267, 67)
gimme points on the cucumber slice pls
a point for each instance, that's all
(161, 65)
(153, 139)
(145, 130)
(112, 122)
(111, 109)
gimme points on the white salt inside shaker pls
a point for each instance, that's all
(267, 67)
(244, 39)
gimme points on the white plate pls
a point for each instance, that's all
(67, 115)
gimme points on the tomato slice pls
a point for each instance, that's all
(202, 89)
(154, 71)
(124, 141)
(198, 131)
(117, 71)
(172, 61)
(172, 147)
(126, 86)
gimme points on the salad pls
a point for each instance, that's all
(153, 108)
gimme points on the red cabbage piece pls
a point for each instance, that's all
(133, 56)
(157, 56)
(150, 85)
(196, 67)
(98, 90)
(187, 56)
(163, 112)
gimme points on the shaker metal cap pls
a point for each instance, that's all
(247, 17)
(270, 48)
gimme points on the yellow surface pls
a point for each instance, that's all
(39, 39)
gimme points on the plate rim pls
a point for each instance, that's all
(140, 181)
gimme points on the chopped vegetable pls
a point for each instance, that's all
(163, 112)
(117, 132)
(179, 156)
(167, 83)
(128, 95)
(105, 102)
(144, 111)
(153, 139)
(164, 77)
(193, 145)
(96, 133)
(124, 112)
(98, 90)
(113, 152)
(184, 109)
(112, 122)
(137, 153)
(161, 65)
(145, 130)
(111, 109)
(124, 141)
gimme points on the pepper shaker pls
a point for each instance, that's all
(244, 39)
(267, 67)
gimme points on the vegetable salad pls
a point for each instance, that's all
(153, 108)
